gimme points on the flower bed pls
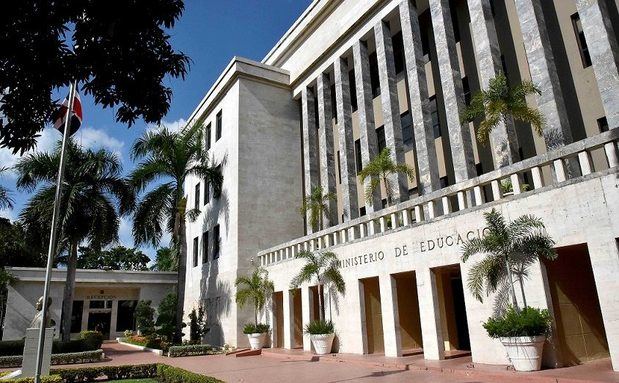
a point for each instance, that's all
(66, 358)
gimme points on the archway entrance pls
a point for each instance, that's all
(408, 312)
(373, 316)
(580, 330)
(454, 324)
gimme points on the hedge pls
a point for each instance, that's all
(191, 350)
(44, 379)
(16, 347)
(162, 372)
(67, 358)
(169, 374)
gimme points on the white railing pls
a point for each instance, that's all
(566, 163)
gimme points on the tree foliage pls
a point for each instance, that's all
(118, 51)
(317, 205)
(19, 247)
(115, 258)
(166, 259)
(381, 168)
(255, 288)
(145, 317)
(166, 316)
(6, 201)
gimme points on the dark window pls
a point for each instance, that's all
(207, 133)
(492, 8)
(339, 168)
(380, 137)
(197, 197)
(207, 192)
(436, 122)
(413, 192)
(384, 203)
(454, 21)
(466, 89)
(444, 182)
(218, 122)
(425, 24)
(353, 90)
(195, 251)
(582, 42)
(603, 124)
(125, 317)
(76, 316)
(219, 171)
(216, 242)
(333, 103)
(205, 247)
(96, 304)
(374, 77)
(407, 128)
(358, 160)
(362, 211)
(479, 169)
(398, 52)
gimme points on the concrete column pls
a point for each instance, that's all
(427, 163)
(544, 73)
(325, 146)
(365, 111)
(391, 108)
(429, 314)
(604, 52)
(113, 319)
(347, 143)
(503, 139)
(310, 142)
(453, 96)
(288, 320)
(306, 310)
(391, 317)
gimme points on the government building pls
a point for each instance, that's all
(351, 77)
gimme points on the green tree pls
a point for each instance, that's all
(94, 197)
(508, 249)
(501, 102)
(6, 202)
(380, 168)
(316, 204)
(145, 317)
(115, 258)
(256, 288)
(166, 316)
(165, 260)
(323, 268)
(120, 54)
(169, 158)
(197, 324)
(19, 247)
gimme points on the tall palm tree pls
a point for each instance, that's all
(94, 197)
(255, 288)
(6, 202)
(500, 102)
(317, 205)
(321, 267)
(509, 249)
(380, 169)
(168, 158)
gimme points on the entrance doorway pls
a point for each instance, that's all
(278, 311)
(408, 311)
(297, 310)
(100, 321)
(454, 324)
(580, 330)
(373, 316)
(315, 313)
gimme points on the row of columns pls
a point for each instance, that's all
(603, 47)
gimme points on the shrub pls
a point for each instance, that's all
(166, 316)
(10, 361)
(68, 358)
(75, 345)
(16, 347)
(92, 339)
(90, 374)
(11, 347)
(169, 374)
(150, 341)
(319, 327)
(144, 317)
(527, 322)
(191, 350)
(197, 324)
(259, 328)
(44, 379)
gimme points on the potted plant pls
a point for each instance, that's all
(321, 267)
(256, 288)
(522, 333)
(509, 248)
(507, 188)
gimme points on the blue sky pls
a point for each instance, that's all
(211, 33)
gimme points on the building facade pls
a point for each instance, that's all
(355, 77)
(103, 300)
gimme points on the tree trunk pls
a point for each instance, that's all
(321, 306)
(524, 298)
(511, 284)
(256, 316)
(387, 189)
(67, 298)
(180, 288)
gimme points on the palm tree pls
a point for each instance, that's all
(6, 202)
(500, 102)
(381, 168)
(168, 158)
(165, 260)
(317, 205)
(323, 268)
(255, 288)
(509, 249)
(94, 197)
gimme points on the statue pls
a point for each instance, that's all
(37, 321)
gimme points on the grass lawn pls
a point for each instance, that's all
(133, 381)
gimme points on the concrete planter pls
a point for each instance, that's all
(525, 352)
(322, 343)
(257, 340)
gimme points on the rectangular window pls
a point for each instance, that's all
(436, 122)
(414, 192)
(207, 192)
(358, 158)
(195, 251)
(407, 128)
(196, 204)
(98, 304)
(339, 169)
(602, 124)
(455, 22)
(444, 182)
(466, 89)
(425, 24)
(218, 122)
(205, 247)
(125, 317)
(374, 77)
(380, 138)
(580, 39)
(76, 316)
(216, 242)
(361, 211)
(353, 89)
(207, 133)
(479, 169)
(398, 52)
(333, 103)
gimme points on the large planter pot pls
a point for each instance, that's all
(525, 352)
(257, 340)
(322, 343)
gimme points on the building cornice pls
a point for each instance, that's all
(36, 274)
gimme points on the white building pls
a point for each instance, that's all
(353, 76)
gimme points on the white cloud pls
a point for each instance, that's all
(174, 126)
(125, 232)
(45, 142)
(92, 138)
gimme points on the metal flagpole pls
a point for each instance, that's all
(52, 237)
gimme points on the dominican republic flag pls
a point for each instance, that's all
(76, 116)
